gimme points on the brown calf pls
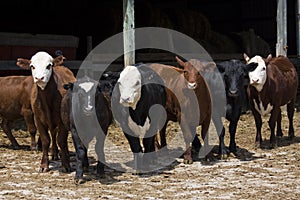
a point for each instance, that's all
(47, 93)
(15, 92)
(190, 108)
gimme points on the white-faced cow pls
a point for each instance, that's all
(134, 104)
(84, 107)
(273, 83)
(46, 96)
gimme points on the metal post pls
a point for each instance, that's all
(281, 46)
(128, 32)
(298, 26)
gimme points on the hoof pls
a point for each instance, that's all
(66, 169)
(44, 169)
(257, 145)
(291, 136)
(85, 169)
(224, 156)
(16, 147)
(188, 162)
(79, 181)
(273, 145)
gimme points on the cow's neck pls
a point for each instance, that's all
(47, 99)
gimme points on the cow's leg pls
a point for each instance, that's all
(188, 135)
(29, 120)
(272, 124)
(62, 139)
(290, 112)
(6, 128)
(81, 157)
(258, 124)
(232, 131)
(45, 138)
(136, 149)
(204, 136)
(279, 130)
(162, 134)
(100, 139)
(54, 148)
(217, 120)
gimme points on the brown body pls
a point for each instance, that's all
(190, 108)
(15, 92)
(46, 109)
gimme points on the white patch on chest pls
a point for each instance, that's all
(260, 108)
(138, 130)
(86, 86)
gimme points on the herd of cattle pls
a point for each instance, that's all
(142, 99)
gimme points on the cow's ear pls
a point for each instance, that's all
(269, 58)
(68, 86)
(179, 61)
(246, 57)
(221, 68)
(210, 66)
(58, 60)
(23, 63)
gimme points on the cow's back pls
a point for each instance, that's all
(14, 92)
(282, 77)
(63, 76)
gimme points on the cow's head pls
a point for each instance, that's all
(192, 70)
(84, 92)
(130, 85)
(41, 65)
(233, 72)
(257, 70)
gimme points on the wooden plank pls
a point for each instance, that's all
(128, 32)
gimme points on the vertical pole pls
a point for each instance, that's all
(128, 32)
(298, 26)
(281, 46)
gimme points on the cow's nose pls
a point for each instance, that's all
(39, 79)
(125, 99)
(255, 80)
(192, 85)
(233, 91)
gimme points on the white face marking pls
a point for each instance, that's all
(41, 68)
(260, 108)
(86, 86)
(192, 85)
(138, 130)
(258, 77)
(130, 86)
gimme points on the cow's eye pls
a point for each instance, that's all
(263, 69)
(49, 66)
(32, 67)
(185, 72)
(137, 83)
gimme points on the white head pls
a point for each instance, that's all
(257, 70)
(41, 65)
(130, 86)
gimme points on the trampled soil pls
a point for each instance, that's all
(253, 174)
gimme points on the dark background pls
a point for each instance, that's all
(102, 19)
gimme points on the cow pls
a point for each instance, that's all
(83, 103)
(47, 92)
(234, 76)
(138, 102)
(15, 104)
(273, 83)
(188, 104)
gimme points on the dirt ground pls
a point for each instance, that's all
(254, 174)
